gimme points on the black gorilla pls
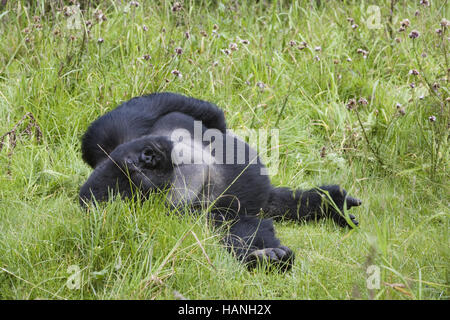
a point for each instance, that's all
(150, 143)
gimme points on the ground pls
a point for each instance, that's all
(358, 94)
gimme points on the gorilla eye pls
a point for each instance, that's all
(147, 152)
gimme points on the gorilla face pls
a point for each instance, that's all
(147, 161)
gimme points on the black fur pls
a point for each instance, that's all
(135, 118)
(131, 149)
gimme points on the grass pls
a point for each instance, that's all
(387, 152)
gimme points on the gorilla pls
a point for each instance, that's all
(180, 145)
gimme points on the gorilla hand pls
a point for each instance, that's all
(335, 208)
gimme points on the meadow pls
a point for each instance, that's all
(358, 91)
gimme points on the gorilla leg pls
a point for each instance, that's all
(253, 241)
(325, 201)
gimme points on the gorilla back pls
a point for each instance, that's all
(168, 141)
(136, 117)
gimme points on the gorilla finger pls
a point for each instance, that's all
(288, 253)
(281, 254)
(353, 202)
(271, 255)
(353, 218)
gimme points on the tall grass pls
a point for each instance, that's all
(340, 93)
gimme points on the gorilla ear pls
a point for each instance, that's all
(352, 202)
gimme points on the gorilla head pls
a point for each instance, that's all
(135, 168)
(147, 161)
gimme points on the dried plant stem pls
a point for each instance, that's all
(367, 140)
(282, 110)
(437, 135)
(391, 14)
(422, 72)
(12, 134)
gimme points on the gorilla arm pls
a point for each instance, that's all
(107, 177)
(321, 202)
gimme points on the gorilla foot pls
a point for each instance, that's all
(281, 258)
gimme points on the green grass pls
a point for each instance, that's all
(398, 164)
